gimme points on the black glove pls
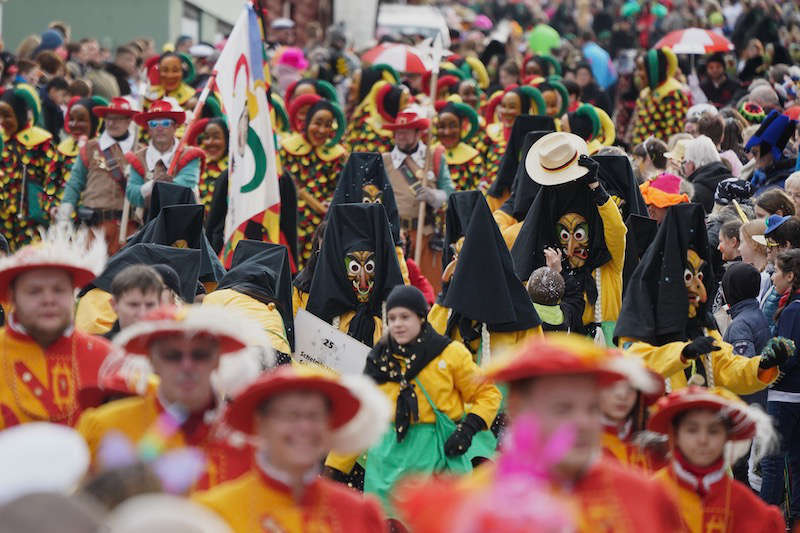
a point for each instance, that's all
(459, 442)
(592, 165)
(776, 352)
(698, 347)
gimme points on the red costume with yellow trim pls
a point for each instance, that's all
(53, 384)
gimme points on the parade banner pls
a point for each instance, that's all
(320, 343)
(253, 195)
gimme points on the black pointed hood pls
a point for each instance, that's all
(524, 190)
(165, 194)
(484, 287)
(641, 232)
(655, 306)
(361, 169)
(460, 206)
(616, 175)
(354, 227)
(511, 157)
(186, 262)
(262, 271)
(181, 226)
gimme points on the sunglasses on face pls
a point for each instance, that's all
(162, 123)
(197, 356)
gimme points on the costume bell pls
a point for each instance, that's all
(153, 424)
(665, 318)
(661, 107)
(356, 269)
(708, 498)
(52, 383)
(482, 303)
(586, 226)
(27, 162)
(314, 158)
(265, 498)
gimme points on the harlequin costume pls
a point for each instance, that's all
(591, 124)
(442, 406)
(213, 169)
(606, 497)
(531, 103)
(156, 426)
(483, 304)
(28, 160)
(665, 311)
(361, 98)
(709, 499)
(182, 93)
(54, 383)
(315, 169)
(500, 190)
(149, 164)
(662, 105)
(355, 272)
(97, 178)
(586, 225)
(463, 160)
(258, 285)
(382, 104)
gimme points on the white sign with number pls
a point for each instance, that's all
(318, 342)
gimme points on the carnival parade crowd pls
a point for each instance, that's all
(538, 274)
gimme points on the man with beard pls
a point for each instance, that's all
(50, 369)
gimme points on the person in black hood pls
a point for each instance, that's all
(259, 284)
(500, 189)
(704, 169)
(665, 316)
(574, 213)
(356, 270)
(485, 305)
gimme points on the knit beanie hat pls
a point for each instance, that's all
(409, 297)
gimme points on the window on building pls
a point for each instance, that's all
(190, 21)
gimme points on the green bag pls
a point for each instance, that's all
(421, 452)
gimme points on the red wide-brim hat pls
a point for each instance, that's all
(118, 106)
(408, 121)
(741, 424)
(161, 109)
(344, 404)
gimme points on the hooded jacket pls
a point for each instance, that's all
(705, 180)
(354, 227)
(654, 323)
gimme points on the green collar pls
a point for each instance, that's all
(550, 314)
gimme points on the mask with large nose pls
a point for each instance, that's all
(693, 277)
(360, 268)
(573, 237)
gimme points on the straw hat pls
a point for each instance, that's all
(553, 159)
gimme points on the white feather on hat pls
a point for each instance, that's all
(370, 422)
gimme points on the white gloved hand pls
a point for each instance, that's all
(433, 197)
(147, 189)
(65, 211)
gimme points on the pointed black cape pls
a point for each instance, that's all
(261, 270)
(524, 190)
(616, 175)
(460, 206)
(363, 168)
(181, 226)
(655, 306)
(641, 232)
(184, 261)
(165, 194)
(484, 287)
(353, 227)
(511, 157)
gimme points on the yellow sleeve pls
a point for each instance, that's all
(94, 313)
(437, 317)
(299, 300)
(510, 234)
(267, 315)
(737, 373)
(664, 359)
(91, 430)
(342, 463)
(401, 259)
(482, 396)
(503, 219)
(614, 231)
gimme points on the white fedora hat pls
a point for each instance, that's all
(553, 159)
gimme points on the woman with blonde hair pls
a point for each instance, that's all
(753, 250)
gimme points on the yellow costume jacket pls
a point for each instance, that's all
(267, 315)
